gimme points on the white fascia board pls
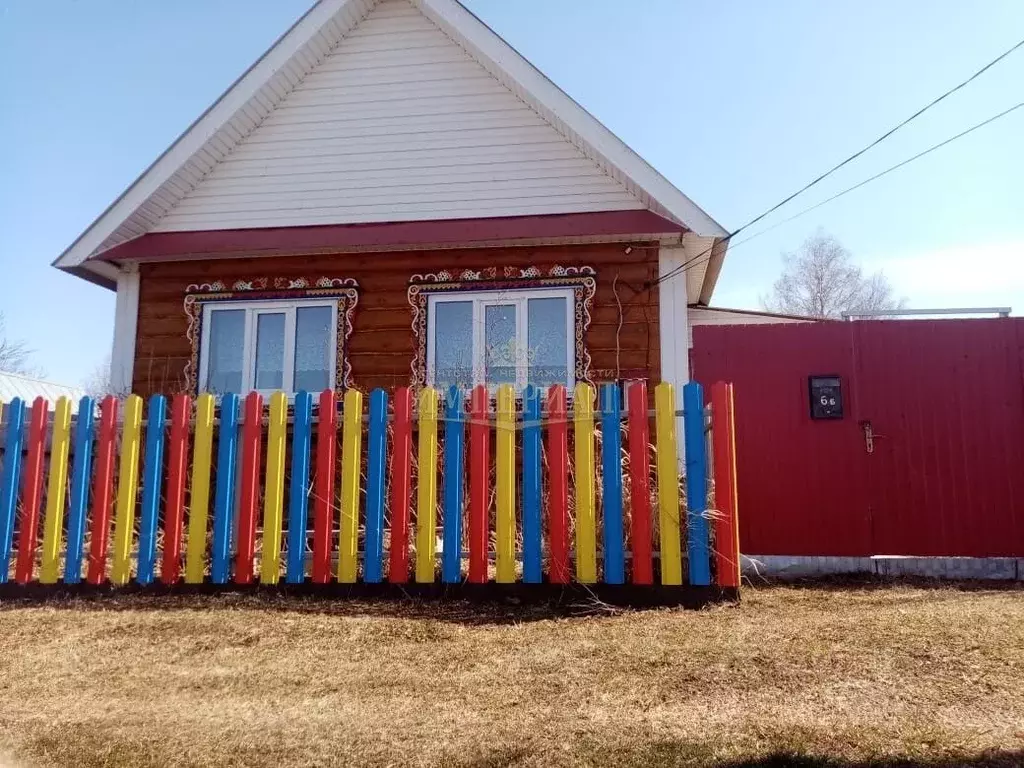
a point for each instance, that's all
(488, 47)
(101, 273)
(201, 131)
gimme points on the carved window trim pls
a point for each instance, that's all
(582, 281)
(343, 290)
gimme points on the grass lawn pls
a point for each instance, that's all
(843, 675)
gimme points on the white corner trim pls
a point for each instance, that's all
(491, 50)
(126, 320)
(200, 132)
(672, 329)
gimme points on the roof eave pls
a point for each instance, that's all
(713, 270)
(100, 273)
(606, 226)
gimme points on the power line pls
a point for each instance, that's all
(706, 253)
(848, 160)
(888, 170)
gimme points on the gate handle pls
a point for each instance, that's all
(869, 436)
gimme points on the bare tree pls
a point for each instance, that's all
(98, 384)
(15, 354)
(821, 280)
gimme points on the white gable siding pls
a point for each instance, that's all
(397, 123)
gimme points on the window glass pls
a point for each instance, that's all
(547, 342)
(269, 350)
(502, 337)
(313, 337)
(500, 344)
(453, 344)
(224, 357)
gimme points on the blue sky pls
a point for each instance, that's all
(738, 103)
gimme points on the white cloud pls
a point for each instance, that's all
(965, 275)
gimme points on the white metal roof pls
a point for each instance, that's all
(301, 49)
(14, 385)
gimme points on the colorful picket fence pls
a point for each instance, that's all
(511, 490)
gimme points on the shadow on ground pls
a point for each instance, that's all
(464, 612)
(462, 602)
(490, 605)
(682, 755)
(994, 759)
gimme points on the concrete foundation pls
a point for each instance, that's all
(797, 567)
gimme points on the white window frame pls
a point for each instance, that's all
(253, 309)
(519, 298)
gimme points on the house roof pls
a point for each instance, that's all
(14, 385)
(258, 92)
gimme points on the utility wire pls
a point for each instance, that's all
(705, 255)
(909, 160)
(833, 169)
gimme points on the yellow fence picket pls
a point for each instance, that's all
(273, 503)
(199, 498)
(351, 448)
(668, 484)
(55, 491)
(426, 499)
(505, 487)
(127, 488)
(586, 516)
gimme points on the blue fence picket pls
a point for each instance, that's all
(697, 539)
(152, 475)
(375, 479)
(224, 499)
(298, 503)
(454, 460)
(532, 565)
(611, 464)
(10, 481)
(79, 496)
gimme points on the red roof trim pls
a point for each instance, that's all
(391, 235)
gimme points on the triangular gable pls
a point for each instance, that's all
(385, 110)
(397, 123)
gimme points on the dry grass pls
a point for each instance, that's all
(844, 675)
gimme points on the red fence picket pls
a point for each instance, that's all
(398, 565)
(177, 462)
(32, 494)
(252, 441)
(102, 491)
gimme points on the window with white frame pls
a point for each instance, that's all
(499, 337)
(268, 346)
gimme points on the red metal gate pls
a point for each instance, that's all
(927, 459)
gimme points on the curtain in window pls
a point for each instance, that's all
(547, 342)
(270, 350)
(313, 339)
(453, 347)
(227, 337)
